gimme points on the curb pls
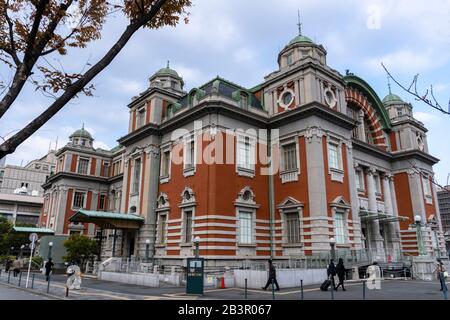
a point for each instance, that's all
(32, 291)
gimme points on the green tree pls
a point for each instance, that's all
(9, 239)
(80, 249)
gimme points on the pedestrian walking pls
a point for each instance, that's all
(272, 276)
(331, 273)
(16, 267)
(8, 264)
(340, 270)
(441, 274)
(48, 268)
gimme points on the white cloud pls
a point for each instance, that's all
(243, 55)
(426, 118)
(101, 145)
(407, 61)
(34, 147)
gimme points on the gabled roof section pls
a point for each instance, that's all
(104, 219)
(356, 82)
(33, 230)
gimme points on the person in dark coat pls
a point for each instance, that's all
(331, 272)
(48, 268)
(272, 276)
(340, 271)
(8, 265)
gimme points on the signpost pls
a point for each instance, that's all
(33, 237)
(194, 283)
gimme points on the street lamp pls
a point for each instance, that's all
(147, 249)
(332, 244)
(50, 245)
(418, 225)
(197, 241)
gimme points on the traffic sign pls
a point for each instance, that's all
(33, 237)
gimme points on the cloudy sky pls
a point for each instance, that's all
(239, 40)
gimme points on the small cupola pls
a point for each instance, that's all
(82, 138)
(299, 49)
(396, 107)
(167, 78)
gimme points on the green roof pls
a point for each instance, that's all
(301, 39)
(109, 215)
(33, 230)
(81, 133)
(167, 71)
(392, 98)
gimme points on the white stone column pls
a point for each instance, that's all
(376, 238)
(361, 130)
(394, 240)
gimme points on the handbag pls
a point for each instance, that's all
(445, 274)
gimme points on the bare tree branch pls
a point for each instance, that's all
(13, 51)
(11, 144)
(424, 98)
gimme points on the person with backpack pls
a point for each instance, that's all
(331, 273)
(340, 270)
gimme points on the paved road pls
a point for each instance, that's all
(10, 293)
(398, 289)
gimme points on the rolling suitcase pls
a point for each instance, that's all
(325, 285)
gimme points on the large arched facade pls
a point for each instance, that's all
(360, 95)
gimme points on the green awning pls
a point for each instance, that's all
(108, 220)
(33, 230)
(366, 215)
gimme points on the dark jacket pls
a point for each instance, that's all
(331, 270)
(48, 266)
(340, 270)
(272, 271)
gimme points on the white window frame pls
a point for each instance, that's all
(286, 227)
(88, 165)
(344, 234)
(251, 227)
(140, 111)
(377, 181)
(133, 182)
(248, 171)
(105, 203)
(184, 239)
(159, 237)
(337, 174)
(83, 206)
(166, 177)
(189, 171)
(359, 173)
(289, 175)
(427, 189)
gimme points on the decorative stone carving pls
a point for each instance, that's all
(153, 151)
(314, 133)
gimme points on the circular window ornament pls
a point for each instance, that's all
(330, 97)
(286, 99)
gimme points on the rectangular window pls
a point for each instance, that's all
(245, 154)
(339, 227)
(187, 226)
(333, 156)
(83, 166)
(140, 117)
(377, 184)
(190, 154)
(162, 228)
(359, 180)
(289, 59)
(102, 202)
(292, 227)
(399, 112)
(245, 228)
(79, 200)
(426, 186)
(244, 101)
(136, 176)
(105, 169)
(165, 163)
(289, 157)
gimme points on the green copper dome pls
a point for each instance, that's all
(301, 39)
(167, 71)
(81, 133)
(390, 98)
